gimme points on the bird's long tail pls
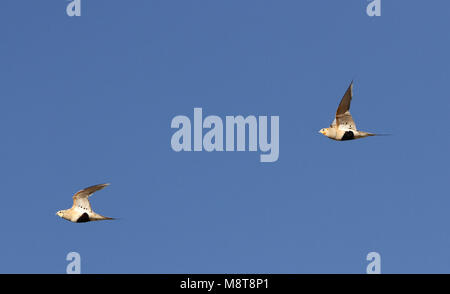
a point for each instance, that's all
(97, 216)
(371, 134)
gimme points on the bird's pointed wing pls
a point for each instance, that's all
(344, 119)
(344, 106)
(80, 199)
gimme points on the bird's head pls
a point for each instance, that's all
(324, 131)
(60, 213)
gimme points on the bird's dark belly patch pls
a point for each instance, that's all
(83, 218)
(348, 135)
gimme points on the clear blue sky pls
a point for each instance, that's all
(89, 99)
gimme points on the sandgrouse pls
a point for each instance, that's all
(81, 210)
(343, 127)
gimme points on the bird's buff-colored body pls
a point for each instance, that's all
(81, 210)
(342, 135)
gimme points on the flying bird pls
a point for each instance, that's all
(343, 127)
(81, 210)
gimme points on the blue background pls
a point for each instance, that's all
(87, 100)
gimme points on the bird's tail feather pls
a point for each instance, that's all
(100, 217)
(372, 134)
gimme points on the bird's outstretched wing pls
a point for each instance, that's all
(344, 119)
(80, 199)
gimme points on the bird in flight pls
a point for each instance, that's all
(343, 127)
(81, 210)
